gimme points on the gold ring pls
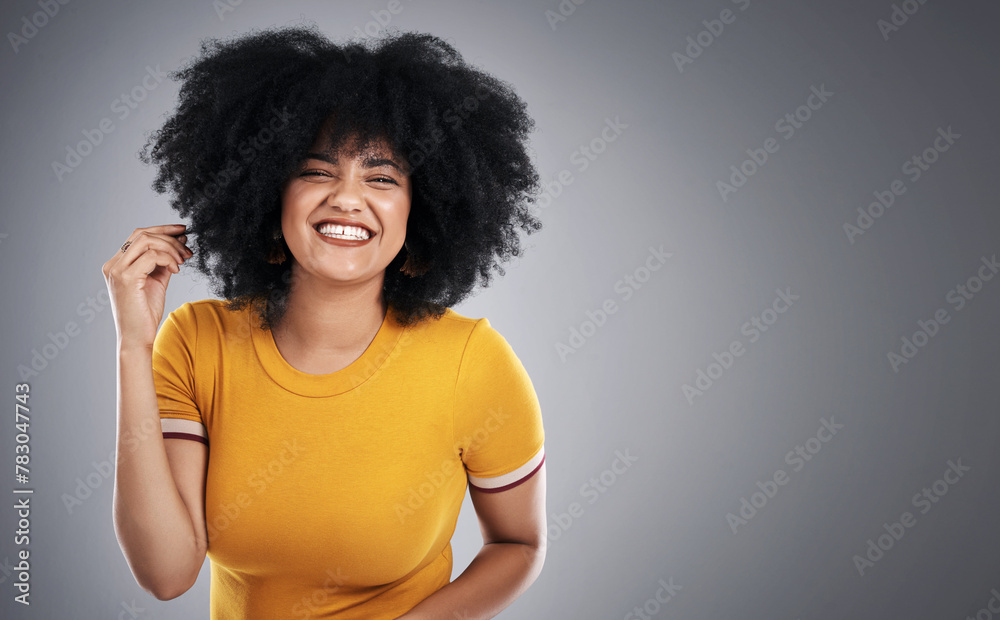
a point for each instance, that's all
(125, 246)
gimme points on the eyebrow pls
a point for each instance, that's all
(370, 161)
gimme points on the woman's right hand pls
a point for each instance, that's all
(137, 281)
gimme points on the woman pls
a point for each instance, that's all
(320, 424)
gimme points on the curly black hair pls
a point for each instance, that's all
(249, 108)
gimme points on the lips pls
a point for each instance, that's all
(343, 242)
(344, 221)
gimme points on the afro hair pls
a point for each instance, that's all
(250, 107)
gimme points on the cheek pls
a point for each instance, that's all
(294, 208)
(395, 216)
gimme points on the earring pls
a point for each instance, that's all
(413, 266)
(276, 255)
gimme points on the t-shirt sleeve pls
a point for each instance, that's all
(173, 376)
(498, 420)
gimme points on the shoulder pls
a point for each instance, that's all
(205, 307)
(451, 319)
(206, 321)
(484, 350)
(471, 333)
(191, 310)
(449, 327)
(464, 339)
(205, 311)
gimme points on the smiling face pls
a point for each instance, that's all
(371, 191)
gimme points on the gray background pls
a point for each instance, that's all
(826, 356)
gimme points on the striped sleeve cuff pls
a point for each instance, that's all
(510, 479)
(180, 428)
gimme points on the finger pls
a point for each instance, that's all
(178, 242)
(149, 261)
(146, 241)
(171, 229)
(146, 244)
(166, 231)
(180, 250)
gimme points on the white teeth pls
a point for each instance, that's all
(338, 231)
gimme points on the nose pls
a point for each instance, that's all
(346, 195)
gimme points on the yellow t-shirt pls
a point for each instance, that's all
(336, 496)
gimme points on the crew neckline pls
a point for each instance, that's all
(343, 380)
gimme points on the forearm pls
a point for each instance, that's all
(495, 578)
(152, 524)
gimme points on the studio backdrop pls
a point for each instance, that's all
(760, 317)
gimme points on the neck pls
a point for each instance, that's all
(330, 319)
